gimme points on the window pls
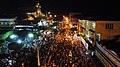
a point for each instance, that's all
(109, 26)
(1, 23)
(106, 26)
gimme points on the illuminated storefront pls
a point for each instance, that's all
(5, 22)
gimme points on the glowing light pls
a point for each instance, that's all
(19, 41)
(37, 6)
(44, 23)
(48, 12)
(66, 18)
(92, 53)
(23, 26)
(13, 36)
(30, 18)
(50, 15)
(70, 53)
(93, 25)
(55, 15)
(38, 11)
(48, 32)
(40, 24)
(30, 35)
(71, 25)
(54, 27)
(38, 58)
(5, 19)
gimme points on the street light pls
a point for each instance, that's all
(50, 15)
(30, 35)
(13, 36)
(48, 12)
(19, 41)
(55, 15)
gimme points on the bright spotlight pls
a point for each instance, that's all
(19, 41)
(30, 35)
(54, 27)
(13, 36)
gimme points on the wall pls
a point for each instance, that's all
(107, 33)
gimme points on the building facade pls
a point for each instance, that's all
(95, 31)
(106, 30)
(7, 22)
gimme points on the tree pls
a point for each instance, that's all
(14, 46)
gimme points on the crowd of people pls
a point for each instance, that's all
(26, 57)
(55, 50)
(65, 52)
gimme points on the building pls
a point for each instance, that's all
(87, 31)
(106, 30)
(7, 22)
(96, 31)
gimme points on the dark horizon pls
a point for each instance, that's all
(86, 7)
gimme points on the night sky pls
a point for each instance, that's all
(87, 7)
(90, 7)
